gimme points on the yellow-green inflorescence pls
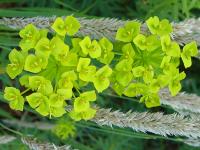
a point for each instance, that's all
(55, 68)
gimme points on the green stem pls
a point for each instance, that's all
(11, 130)
(77, 90)
(73, 95)
(118, 53)
(25, 91)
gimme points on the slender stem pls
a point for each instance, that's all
(77, 90)
(118, 53)
(11, 130)
(25, 91)
(73, 95)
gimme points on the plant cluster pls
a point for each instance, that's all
(64, 128)
(54, 69)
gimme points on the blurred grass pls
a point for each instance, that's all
(89, 136)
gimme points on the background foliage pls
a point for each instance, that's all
(89, 136)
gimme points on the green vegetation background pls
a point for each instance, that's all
(89, 136)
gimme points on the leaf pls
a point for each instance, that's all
(35, 99)
(70, 60)
(124, 77)
(29, 32)
(138, 71)
(59, 49)
(24, 80)
(123, 72)
(174, 87)
(106, 45)
(89, 114)
(151, 100)
(106, 51)
(148, 75)
(128, 32)
(35, 63)
(101, 84)
(95, 50)
(32, 65)
(86, 72)
(43, 45)
(75, 115)
(118, 88)
(165, 27)
(106, 58)
(12, 70)
(173, 77)
(65, 93)
(128, 52)
(83, 63)
(90, 47)
(44, 107)
(171, 48)
(81, 104)
(85, 45)
(124, 65)
(158, 27)
(134, 89)
(187, 60)
(75, 44)
(101, 81)
(17, 63)
(104, 71)
(59, 26)
(57, 111)
(26, 44)
(16, 101)
(56, 100)
(86, 115)
(89, 95)
(72, 25)
(165, 61)
(30, 35)
(152, 43)
(35, 81)
(140, 41)
(153, 24)
(40, 84)
(189, 50)
(154, 85)
(67, 79)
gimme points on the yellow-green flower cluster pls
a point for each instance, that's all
(64, 128)
(153, 63)
(55, 69)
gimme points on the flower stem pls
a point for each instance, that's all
(25, 91)
(11, 130)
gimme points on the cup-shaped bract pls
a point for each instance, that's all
(13, 95)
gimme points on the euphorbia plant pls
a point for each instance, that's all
(54, 69)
